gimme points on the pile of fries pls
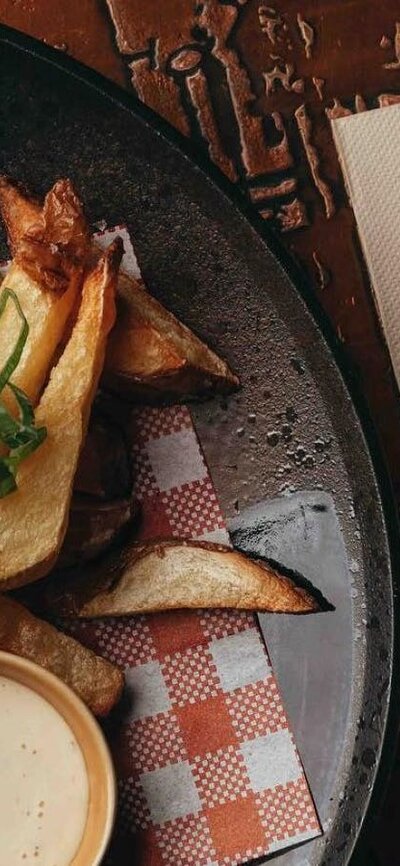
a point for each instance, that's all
(71, 321)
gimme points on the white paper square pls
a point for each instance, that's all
(294, 840)
(271, 761)
(147, 690)
(176, 459)
(368, 145)
(216, 536)
(240, 659)
(129, 262)
(171, 792)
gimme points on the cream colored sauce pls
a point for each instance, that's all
(44, 786)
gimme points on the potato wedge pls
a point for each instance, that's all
(172, 574)
(33, 519)
(153, 356)
(50, 246)
(97, 682)
(19, 211)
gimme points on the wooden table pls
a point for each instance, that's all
(255, 83)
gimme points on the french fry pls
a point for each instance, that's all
(49, 246)
(20, 212)
(165, 575)
(152, 356)
(97, 682)
(34, 518)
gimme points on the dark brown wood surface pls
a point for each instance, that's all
(255, 83)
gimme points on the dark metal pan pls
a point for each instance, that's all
(299, 423)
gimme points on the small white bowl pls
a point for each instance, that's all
(99, 766)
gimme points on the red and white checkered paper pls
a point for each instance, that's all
(208, 772)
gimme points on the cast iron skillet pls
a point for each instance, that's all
(213, 260)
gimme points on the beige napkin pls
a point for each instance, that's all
(368, 145)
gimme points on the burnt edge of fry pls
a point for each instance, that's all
(73, 590)
(299, 581)
(50, 240)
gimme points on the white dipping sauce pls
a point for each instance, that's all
(44, 789)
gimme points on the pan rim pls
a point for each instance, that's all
(302, 286)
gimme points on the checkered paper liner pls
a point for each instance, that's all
(208, 772)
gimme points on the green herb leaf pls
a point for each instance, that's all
(15, 357)
(7, 480)
(24, 404)
(20, 436)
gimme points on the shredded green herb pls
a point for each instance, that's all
(19, 435)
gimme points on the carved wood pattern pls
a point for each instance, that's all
(282, 71)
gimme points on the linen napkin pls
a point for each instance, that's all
(368, 147)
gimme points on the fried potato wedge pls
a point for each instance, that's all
(49, 246)
(33, 519)
(19, 211)
(172, 574)
(97, 682)
(153, 356)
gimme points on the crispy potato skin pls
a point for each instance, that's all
(19, 211)
(184, 382)
(49, 242)
(152, 356)
(34, 518)
(173, 574)
(97, 682)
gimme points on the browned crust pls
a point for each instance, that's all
(97, 682)
(50, 243)
(145, 330)
(185, 382)
(19, 211)
(71, 595)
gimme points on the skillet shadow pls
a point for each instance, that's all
(132, 850)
